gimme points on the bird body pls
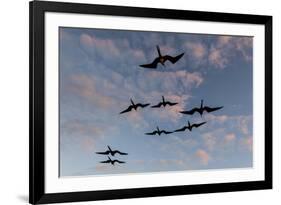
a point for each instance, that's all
(189, 127)
(134, 106)
(201, 109)
(162, 59)
(112, 152)
(164, 103)
(158, 131)
(112, 161)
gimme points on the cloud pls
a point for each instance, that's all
(171, 113)
(228, 48)
(117, 50)
(203, 156)
(230, 137)
(88, 144)
(172, 81)
(106, 46)
(85, 86)
(210, 140)
(80, 128)
(218, 58)
(247, 143)
(197, 50)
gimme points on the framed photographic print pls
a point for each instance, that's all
(140, 102)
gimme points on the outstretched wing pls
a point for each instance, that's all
(142, 105)
(158, 105)
(120, 162)
(151, 133)
(190, 112)
(152, 65)
(198, 125)
(127, 110)
(107, 161)
(121, 153)
(166, 132)
(210, 109)
(181, 129)
(173, 59)
(171, 104)
(105, 153)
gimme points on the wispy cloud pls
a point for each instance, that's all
(227, 48)
(203, 156)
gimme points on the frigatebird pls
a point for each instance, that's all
(112, 152)
(189, 127)
(159, 132)
(134, 106)
(112, 161)
(201, 109)
(164, 103)
(162, 59)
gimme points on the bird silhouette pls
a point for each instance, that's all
(162, 59)
(111, 152)
(112, 161)
(201, 109)
(189, 127)
(134, 106)
(159, 132)
(164, 103)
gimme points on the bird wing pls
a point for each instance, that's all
(210, 109)
(181, 129)
(142, 105)
(151, 133)
(107, 152)
(198, 125)
(166, 132)
(190, 112)
(121, 153)
(127, 110)
(173, 59)
(152, 65)
(107, 161)
(171, 104)
(158, 105)
(120, 162)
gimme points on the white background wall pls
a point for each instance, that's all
(14, 100)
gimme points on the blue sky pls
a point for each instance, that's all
(99, 73)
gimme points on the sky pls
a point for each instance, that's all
(100, 73)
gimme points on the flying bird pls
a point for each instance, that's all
(164, 103)
(112, 152)
(189, 127)
(159, 132)
(162, 59)
(134, 106)
(112, 161)
(201, 109)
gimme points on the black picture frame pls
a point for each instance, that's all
(37, 194)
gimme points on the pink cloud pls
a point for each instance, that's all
(210, 140)
(203, 156)
(169, 79)
(84, 129)
(226, 47)
(104, 45)
(85, 86)
(88, 144)
(247, 143)
(230, 137)
(217, 58)
(172, 113)
(198, 50)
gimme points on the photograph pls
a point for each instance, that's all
(145, 101)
